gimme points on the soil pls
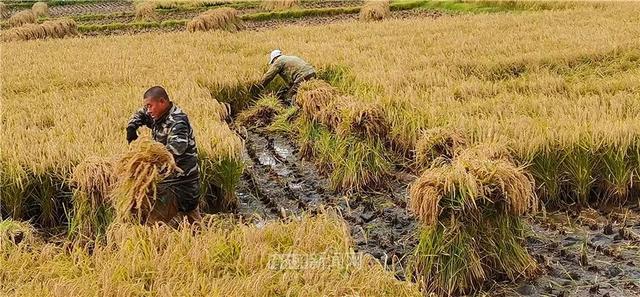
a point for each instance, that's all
(104, 7)
(278, 184)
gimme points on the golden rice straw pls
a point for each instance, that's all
(138, 172)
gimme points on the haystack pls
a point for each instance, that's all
(225, 19)
(146, 11)
(375, 10)
(21, 18)
(49, 29)
(40, 9)
(279, 4)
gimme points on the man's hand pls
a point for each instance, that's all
(132, 134)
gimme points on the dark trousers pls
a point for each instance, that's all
(287, 95)
(185, 192)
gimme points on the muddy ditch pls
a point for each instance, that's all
(279, 184)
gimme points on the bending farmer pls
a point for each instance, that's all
(292, 69)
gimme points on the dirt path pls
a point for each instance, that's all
(279, 184)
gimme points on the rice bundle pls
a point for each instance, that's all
(437, 143)
(442, 189)
(138, 173)
(40, 9)
(21, 18)
(92, 181)
(471, 212)
(503, 184)
(225, 19)
(315, 98)
(60, 28)
(262, 113)
(365, 120)
(279, 4)
(94, 178)
(468, 184)
(456, 257)
(146, 11)
(375, 10)
(49, 29)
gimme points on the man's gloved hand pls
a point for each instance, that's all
(132, 134)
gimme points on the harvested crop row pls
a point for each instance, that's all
(49, 29)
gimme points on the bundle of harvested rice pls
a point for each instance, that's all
(362, 119)
(279, 4)
(138, 173)
(441, 189)
(448, 260)
(262, 113)
(225, 19)
(49, 29)
(146, 11)
(456, 257)
(40, 9)
(375, 10)
(92, 181)
(502, 183)
(468, 185)
(439, 142)
(471, 212)
(24, 32)
(16, 234)
(21, 18)
(330, 115)
(314, 97)
(60, 28)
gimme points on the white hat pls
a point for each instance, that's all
(274, 55)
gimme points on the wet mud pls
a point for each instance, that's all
(590, 253)
(279, 184)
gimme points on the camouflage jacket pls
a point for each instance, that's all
(174, 131)
(291, 68)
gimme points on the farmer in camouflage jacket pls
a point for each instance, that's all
(170, 126)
